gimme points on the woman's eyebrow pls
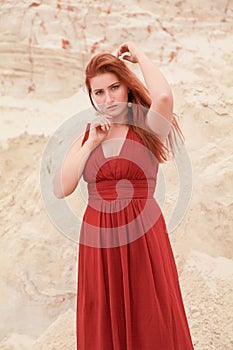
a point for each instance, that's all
(117, 82)
(99, 89)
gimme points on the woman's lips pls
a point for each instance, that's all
(109, 108)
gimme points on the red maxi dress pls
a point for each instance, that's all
(128, 296)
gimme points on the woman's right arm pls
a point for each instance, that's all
(67, 178)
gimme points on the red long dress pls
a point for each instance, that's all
(128, 296)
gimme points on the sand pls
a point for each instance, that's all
(44, 49)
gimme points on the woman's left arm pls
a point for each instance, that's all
(159, 89)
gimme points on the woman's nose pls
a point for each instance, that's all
(108, 97)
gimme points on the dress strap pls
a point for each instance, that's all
(86, 135)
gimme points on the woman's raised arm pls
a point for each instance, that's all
(161, 109)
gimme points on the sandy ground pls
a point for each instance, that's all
(44, 48)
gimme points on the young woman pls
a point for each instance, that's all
(128, 290)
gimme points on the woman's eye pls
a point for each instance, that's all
(99, 93)
(115, 87)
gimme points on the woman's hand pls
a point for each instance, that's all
(99, 129)
(157, 85)
(132, 50)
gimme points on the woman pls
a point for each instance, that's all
(128, 290)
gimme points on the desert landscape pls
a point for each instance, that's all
(45, 46)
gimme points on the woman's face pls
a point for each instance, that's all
(109, 93)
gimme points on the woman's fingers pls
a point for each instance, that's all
(128, 51)
(105, 128)
(123, 49)
(104, 121)
(100, 124)
(125, 55)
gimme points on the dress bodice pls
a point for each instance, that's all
(135, 162)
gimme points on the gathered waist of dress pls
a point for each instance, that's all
(121, 189)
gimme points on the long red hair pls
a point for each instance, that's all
(141, 101)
